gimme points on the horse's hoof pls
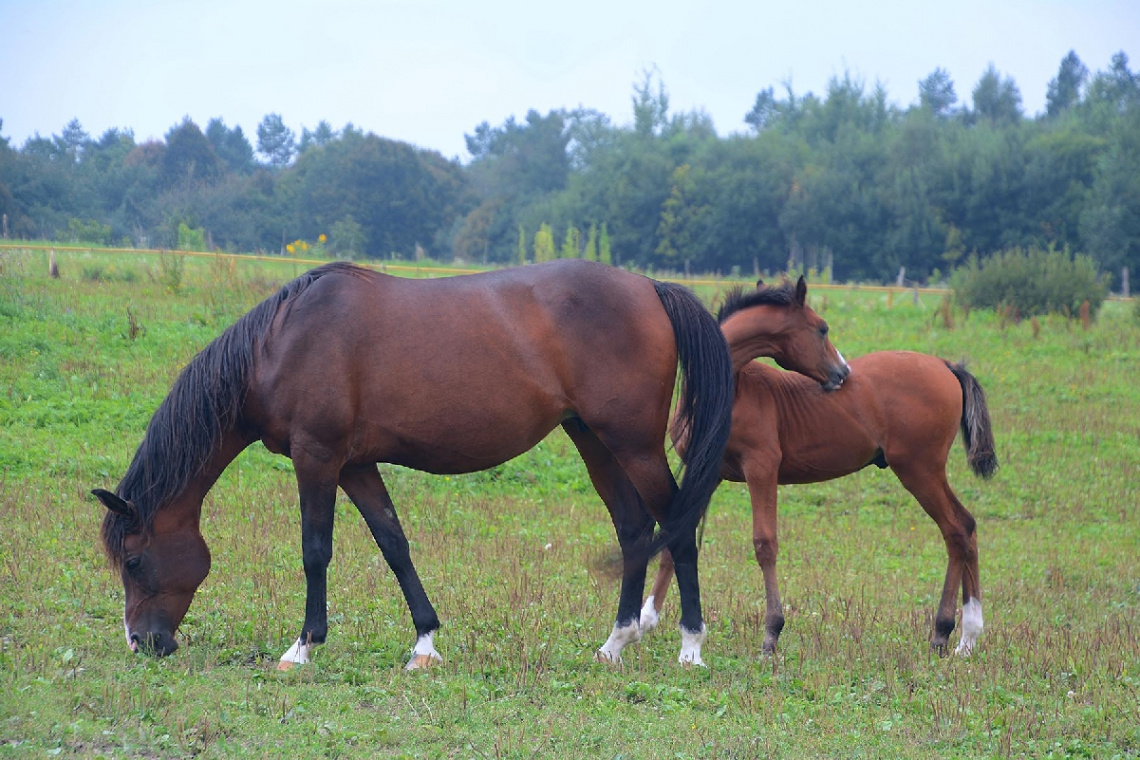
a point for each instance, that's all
(285, 666)
(422, 662)
(606, 658)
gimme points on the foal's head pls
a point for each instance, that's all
(161, 563)
(775, 321)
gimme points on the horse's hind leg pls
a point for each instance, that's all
(365, 487)
(959, 532)
(632, 522)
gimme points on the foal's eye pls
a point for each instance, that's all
(133, 563)
(823, 330)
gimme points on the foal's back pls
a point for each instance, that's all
(894, 404)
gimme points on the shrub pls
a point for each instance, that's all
(1030, 282)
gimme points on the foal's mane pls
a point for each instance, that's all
(203, 404)
(738, 298)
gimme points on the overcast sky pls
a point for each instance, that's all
(428, 71)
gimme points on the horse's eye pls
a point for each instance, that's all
(133, 563)
(823, 330)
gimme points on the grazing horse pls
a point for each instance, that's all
(345, 367)
(898, 409)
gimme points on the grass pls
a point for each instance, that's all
(84, 361)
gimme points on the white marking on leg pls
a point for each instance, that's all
(971, 626)
(298, 654)
(691, 642)
(620, 637)
(649, 617)
(423, 653)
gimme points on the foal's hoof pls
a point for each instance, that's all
(423, 662)
(285, 666)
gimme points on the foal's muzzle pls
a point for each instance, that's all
(836, 377)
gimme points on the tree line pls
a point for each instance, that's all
(843, 182)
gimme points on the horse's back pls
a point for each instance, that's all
(461, 373)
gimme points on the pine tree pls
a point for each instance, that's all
(591, 252)
(604, 254)
(570, 245)
(544, 244)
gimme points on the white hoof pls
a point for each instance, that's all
(298, 654)
(619, 639)
(971, 626)
(423, 653)
(691, 642)
(649, 616)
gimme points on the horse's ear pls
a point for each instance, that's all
(759, 283)
(801, 291)
(114, 503)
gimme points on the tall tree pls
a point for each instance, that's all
(189, 155)
(997, 99)
(231, 146)
(275, 141)
(1065, 89)
(936, 92)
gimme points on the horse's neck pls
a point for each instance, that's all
(231, 444)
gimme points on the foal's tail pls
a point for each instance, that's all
(707, 392)
(976, 431)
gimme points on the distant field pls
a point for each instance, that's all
(85, 359)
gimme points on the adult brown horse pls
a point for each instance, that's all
(345, 367)
(898, 409)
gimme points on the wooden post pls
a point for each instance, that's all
(1123, 280)
(5, 226)
(901, 282)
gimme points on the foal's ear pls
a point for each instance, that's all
(759, 283)
(801, 291)
(114, 503)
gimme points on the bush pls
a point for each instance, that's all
(1030, 282)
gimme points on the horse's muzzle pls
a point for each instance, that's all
(152, 643)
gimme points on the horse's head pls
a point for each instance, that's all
(776, 321)
(161, 564)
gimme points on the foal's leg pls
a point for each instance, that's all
(365, 487)
(761, 480)
(958, 531)
(317, 489)
(650, 611)
(632, 522)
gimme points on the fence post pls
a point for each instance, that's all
(1123, 281)
(902, 277)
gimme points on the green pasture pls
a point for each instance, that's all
(507, 557)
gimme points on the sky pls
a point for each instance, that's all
(427, 72)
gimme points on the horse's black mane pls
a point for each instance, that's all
(738, 298)
(203, 404)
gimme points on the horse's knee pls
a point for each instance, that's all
(766, 550)
(316, 558)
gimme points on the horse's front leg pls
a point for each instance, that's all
(761, 479)
(365, 487)
(318, 498)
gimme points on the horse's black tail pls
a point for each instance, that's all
(977, 434)
(707, 393)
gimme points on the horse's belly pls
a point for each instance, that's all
(456, 444)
